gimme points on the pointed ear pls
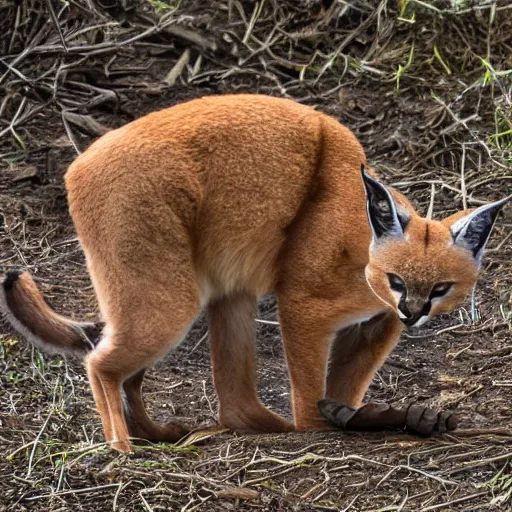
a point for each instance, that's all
(382, 209)
(472, 231)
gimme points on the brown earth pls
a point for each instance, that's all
(427, 91)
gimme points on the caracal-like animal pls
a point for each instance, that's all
(215, 202)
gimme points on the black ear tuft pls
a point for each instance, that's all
(474, 230)
(382, 210)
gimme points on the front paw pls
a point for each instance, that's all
(426, 422)
(380, 416)
(336, 413)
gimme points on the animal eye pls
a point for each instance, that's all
(440, 289)
(396, 283)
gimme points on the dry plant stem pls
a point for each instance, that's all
(40, 433)
(454, 502)
(424, 473)
(74, 491)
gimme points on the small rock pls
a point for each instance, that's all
(27, 173)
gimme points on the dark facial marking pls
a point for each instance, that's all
(402, 306)
(438, 290)
(412, 319)
(396, 283)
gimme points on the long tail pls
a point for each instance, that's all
(25, 309)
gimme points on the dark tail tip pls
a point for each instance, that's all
(10, 279)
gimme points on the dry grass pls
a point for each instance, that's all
(425, 85)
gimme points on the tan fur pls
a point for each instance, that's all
(218, 201)
(232, 336)
(421, 264)
(357, 352)
(25, 299)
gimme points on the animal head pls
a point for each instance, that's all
(422, 267)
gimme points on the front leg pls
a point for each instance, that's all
(307, 334)
(357, 353)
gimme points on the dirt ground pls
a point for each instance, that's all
(426, 86)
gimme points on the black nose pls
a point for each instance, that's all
(413, 311)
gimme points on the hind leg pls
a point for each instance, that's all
(106, 381)
(139, 423)
(232, 334)
(148, 312)
(121, 355)
(101, 403)
(135, 229)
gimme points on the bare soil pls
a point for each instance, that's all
(427, 91)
